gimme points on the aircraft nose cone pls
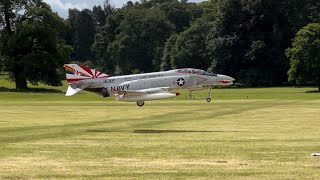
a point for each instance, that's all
(225, 80)
(230, 78)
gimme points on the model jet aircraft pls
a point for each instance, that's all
(141, 87)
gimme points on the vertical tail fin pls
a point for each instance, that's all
(75, 72)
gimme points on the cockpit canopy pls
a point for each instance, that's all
(195, 71)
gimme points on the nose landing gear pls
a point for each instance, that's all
(208, 99)
(209, 94)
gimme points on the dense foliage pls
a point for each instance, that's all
(30, 46)
(305, 56)
(246, 39)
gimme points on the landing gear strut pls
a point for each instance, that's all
(209, 94)
(140, 103)
(190, 94)
(208, 99)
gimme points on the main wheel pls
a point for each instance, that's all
(208, 99)
(141, 103)
(105, 92)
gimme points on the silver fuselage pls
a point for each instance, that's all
(156, 79)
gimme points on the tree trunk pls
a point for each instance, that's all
(19, 77)
(7, 17)
(20, 80)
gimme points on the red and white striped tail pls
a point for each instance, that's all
(75, 72)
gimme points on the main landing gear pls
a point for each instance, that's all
(140, 103)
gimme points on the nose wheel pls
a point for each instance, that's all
(209, 94)
(140, 103)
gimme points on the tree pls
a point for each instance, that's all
(157, 20)
(30, 46)
(81, 33)
(257, 34)
(100, 16)
(304, 56)
(132, 38)
(83, 27)
(190, 48)
(168, 53)
(141, 38)
(180, 13)
(104, 41)
(301, 13)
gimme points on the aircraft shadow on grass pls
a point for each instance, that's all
(142, 131)
(315, 91)
(31, 90)
(146, 131)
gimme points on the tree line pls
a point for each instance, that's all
(259, 42)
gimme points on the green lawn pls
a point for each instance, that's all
(261, 133)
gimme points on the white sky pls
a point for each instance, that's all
(62, 6)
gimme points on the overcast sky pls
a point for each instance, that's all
(62, 6)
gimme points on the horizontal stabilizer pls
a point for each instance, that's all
(73, 89)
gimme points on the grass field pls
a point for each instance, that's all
(263, 133)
